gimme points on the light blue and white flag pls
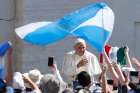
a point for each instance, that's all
(4, 46)
(93, 23)
(41, 33)
(97, 25)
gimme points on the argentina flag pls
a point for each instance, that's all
(97, 25)
(41, 33)
(94, 23)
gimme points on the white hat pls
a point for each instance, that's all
(18, 82)
(35, 75)
(80, 40)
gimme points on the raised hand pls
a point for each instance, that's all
(82, 62)
(126, 51)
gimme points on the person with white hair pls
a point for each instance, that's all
(49, 84)
(79, 60)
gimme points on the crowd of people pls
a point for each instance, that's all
(81, 73)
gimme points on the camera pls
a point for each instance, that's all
(110, 82)
(134, 73)
(134, 76)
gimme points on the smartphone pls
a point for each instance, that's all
(50, 61)
(134, 76)
(110, 82)
(134, 73)
(28, 89)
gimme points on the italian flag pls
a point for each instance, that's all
(116, 54)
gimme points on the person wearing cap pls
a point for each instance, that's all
(79, 60)
(19, 80)
(35, 75)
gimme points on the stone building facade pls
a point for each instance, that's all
(15, 13)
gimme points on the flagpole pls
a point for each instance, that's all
(101, 54)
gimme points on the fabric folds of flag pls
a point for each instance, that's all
(116, 54)
(4, 46)
(95, 25)
(41, 33)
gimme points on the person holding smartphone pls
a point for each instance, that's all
(79, 60)
(53, 66)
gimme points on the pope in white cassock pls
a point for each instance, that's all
(80, 60)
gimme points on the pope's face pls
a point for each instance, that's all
(80, 48)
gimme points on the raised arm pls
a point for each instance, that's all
(129, 64)
(135, 62)
(104, 85)
(31, 83)
(57, 73)
(115, 69)
(9, 67)
(110, 66)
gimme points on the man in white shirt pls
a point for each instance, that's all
(80, 60)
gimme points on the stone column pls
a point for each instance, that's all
(18, 44)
